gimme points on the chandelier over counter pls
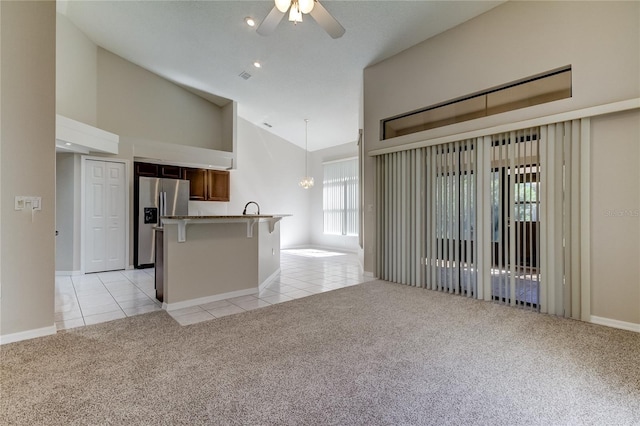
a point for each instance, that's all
(306, 181)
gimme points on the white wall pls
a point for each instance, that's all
(27, 109)
(318, 237)
(269, 169)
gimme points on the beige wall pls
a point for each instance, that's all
(600, 40)
(27, 99)
(76, 73)
(268, 250)
(615, 216)
(215, 259)
(136, 103)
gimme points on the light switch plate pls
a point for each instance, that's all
(24, 201)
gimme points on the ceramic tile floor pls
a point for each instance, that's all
(94, 298)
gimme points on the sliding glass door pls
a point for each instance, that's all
(515, 191)
(494, 217)
(453, 217)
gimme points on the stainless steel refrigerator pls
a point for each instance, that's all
(156, 198)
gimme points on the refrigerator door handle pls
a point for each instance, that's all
(164, 203)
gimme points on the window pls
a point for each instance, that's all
(340, 197)
(527, 202)
(538, 89)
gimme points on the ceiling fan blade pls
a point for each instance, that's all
(326, 21)
(270, 22)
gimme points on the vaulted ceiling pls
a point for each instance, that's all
(206, 45)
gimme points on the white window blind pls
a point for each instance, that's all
(340, 197)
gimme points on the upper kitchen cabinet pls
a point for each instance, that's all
(145, 169)
(158, 170)
(171, 172)
(208, 185)
(218, 185)
(198, 184)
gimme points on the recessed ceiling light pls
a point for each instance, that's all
(250, 21)
(257, 64)
(68, 144)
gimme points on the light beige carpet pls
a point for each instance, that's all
(372, 354)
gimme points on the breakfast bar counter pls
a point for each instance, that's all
(210, 258)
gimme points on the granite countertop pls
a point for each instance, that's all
(249, 219)
(240, 216)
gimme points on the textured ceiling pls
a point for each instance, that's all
(305, 73)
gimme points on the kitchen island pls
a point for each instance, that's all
(210, 258)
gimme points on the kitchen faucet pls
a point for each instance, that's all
(250, 202)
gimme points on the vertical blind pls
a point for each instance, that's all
(451, 219)
(494, 218)
(340, 197)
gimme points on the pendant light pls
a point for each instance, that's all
(306, 181)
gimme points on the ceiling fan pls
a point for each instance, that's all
(296, 8)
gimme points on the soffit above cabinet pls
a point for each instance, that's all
(74, 136)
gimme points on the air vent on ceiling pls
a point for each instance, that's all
(245, 75)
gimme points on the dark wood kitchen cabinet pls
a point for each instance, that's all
(145, 169)
(198, 184)
(218, 185)
(171, 172)
(208, 185)
(158, 170)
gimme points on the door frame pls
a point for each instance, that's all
(127, 214)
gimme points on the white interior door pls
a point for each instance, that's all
(105, 197)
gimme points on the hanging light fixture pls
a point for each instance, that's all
(298, 7)
(306, 181)
(295, 15)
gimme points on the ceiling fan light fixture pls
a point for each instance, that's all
(283, 5)
(294, 14)
(305, 6)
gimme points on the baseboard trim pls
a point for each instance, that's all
(623, 325)
(207, 299)
(29, 334)
(68, 273)
(269, 280)
(331, 248)
(319, 247)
